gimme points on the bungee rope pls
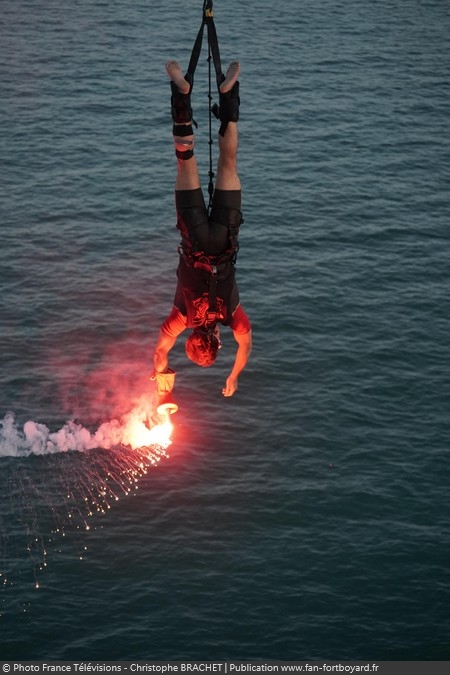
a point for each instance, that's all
(214, 56)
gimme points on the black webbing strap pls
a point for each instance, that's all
(214, 53)
(211, 315)
(213, 42)
(195, 55)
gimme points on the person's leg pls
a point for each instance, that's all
(183, 135)
(227, 176)
(226, 204)
(192, 214)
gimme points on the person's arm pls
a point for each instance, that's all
(244, 349)
(172, 327)
(161, 356)
(163, 376)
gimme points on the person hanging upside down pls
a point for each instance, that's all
(206, 294)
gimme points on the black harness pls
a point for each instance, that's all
(215, 267)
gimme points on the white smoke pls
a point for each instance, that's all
(37, 439)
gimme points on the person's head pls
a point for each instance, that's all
(202, 346)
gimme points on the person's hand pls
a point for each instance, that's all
(164, 382)
(230, 386)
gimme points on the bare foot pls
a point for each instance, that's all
(176, 75)
(232, 75)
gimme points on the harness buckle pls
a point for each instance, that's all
(211, 318)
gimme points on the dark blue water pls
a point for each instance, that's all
(307, 517)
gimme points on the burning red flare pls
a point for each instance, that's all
(139, 435)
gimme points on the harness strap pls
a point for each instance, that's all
(213, 265)
(213, 51)
(213, 43)
(208, 21)
(207, 263)
(211, 315)
(195, 55)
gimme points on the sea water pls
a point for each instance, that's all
(307, 516)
